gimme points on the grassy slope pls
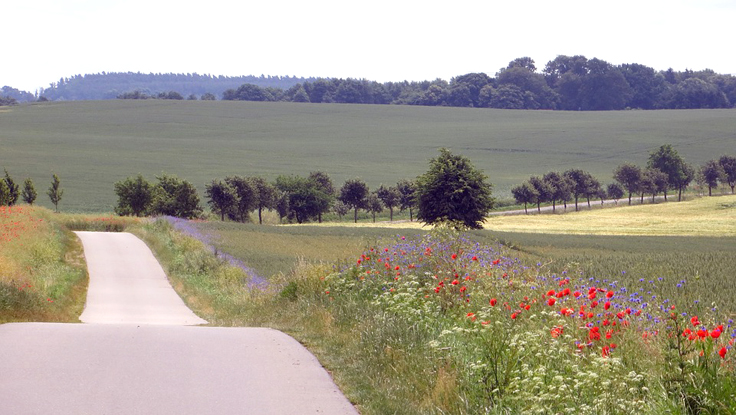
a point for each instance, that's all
(91, 145)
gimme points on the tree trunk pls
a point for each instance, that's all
(355, 215)
(576, 203)
(539, 209)
(391, 210)
(709, 191)
(642, 198)
(665, 195)
(411, 217)
(260, 218)
(629, 198)
(525, 211)
(679, 194)
(553, 206)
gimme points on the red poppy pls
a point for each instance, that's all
(577, 294)
(722, 352)
(454, 256)
(551, 302)
(513, 316)
(475, 258)
(702, 333)
(605, 352)
(607, 305)
(715, 334)
(694, 321)
(557, 331)
(609, 294)
(594, 304)
(492, 302)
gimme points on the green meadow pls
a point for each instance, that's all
(91, 145)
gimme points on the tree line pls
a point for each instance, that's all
(451, 191)
(665, 170)
(565, 83)
(10, 191)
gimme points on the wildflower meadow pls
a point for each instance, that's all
(519, 338)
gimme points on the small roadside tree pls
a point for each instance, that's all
(13, 189)
(560, 188)
(354, 194)
(390, 197)
(666, 159)
(29, 192)
(4, 193)
(266, 195)
(173, 196)
(324, 183)
(593, 189)
(341, 209)
(220, 196)
(373, 205)
(453, 191)
(55, 192)
(615, 191)
(728, 164)
(245, 198)
(524, 193)
(712, 172)
(629, 175)
(134, 196)
(581, 182)
(407, 189)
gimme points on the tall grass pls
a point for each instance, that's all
(42, 270)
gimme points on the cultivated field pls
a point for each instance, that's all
(91, 145)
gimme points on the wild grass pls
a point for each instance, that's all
(92, 145)
(43, 275)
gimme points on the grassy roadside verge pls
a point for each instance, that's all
(43, 276)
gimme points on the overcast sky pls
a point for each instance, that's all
(382, 40)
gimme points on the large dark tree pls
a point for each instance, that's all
(354, 193)
(134, 196)
(615, 191)
(453, 191)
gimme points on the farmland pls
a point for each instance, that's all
(91, 145)
(423, 321)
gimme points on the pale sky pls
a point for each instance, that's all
(381, 40)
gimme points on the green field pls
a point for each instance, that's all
(91, 145)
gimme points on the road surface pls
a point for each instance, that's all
(139, 351)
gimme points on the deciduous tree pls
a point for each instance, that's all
(173, 196)
(245, 198)
(407, 189)
(524, 193)
(728, 164)
(615, 191)
(266, 195)
(712, 172)
(354, 194)
(390, 197)
(629, 175)
(134, 196)
(220, 197)
(453, 191)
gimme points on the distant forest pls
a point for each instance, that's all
(565, 83)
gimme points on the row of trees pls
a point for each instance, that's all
(302, 199)
(171, 196)
(565, 83)
(10, 191)
(665, 171)
(146, 94)
(452, 191)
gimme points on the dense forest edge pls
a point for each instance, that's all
(566, 83)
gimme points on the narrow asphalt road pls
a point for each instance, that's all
(140, 352)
